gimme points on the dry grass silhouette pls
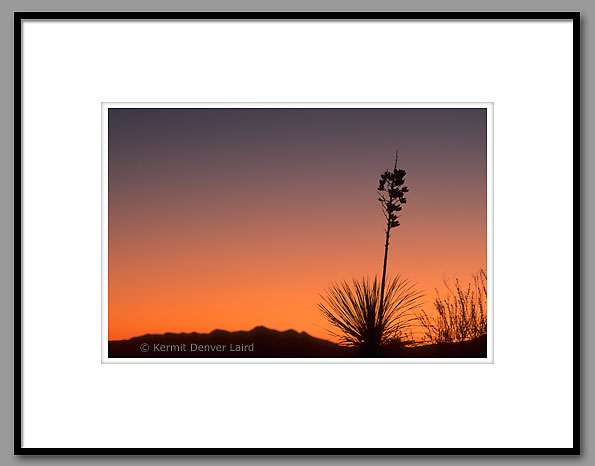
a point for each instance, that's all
(358, 319)
(461, 313)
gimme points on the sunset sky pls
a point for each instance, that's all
(234, 218)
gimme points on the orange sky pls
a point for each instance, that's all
(232, 220)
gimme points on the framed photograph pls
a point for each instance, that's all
(205, 204)
(231, 219)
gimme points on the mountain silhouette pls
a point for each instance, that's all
(262, 342)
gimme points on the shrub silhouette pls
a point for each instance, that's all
(461, 313)
(359, 320)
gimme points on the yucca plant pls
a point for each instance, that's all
(359, 319)
(461, 313)
(369, 315)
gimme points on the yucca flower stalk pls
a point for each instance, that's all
(391, 191)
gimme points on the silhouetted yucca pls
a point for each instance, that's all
(359, 320)
(460, 315)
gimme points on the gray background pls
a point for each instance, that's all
(7, 7)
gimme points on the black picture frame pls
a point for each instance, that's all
(19, 17)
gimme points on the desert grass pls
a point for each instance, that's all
(359, 319)
(461, 313)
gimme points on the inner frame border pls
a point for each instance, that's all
(105, 106)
